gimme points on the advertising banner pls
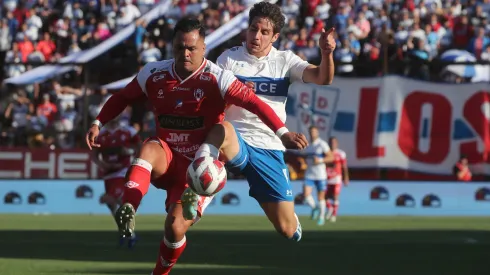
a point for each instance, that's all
(359, 198)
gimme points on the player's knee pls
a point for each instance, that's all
(175, 231)
(150, 152)
(289, 229)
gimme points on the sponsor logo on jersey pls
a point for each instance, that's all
(179, 103)
(205, 77)
(178, 137)
(158, 77)
(198, 94)
(160, 94)
(180, 122)
(155, 70)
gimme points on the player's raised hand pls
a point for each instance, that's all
(327, 42)
(92, 134)
(292, 140)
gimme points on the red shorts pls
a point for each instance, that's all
(114, 183)
(333, 189)
(174, 181)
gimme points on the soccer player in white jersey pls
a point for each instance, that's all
(256, 152)
(316, 154)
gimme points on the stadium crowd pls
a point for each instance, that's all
(391, 36)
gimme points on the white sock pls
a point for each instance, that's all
(323, 208)
(310, 201)
(207, 150)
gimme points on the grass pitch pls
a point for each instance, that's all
(229, 245)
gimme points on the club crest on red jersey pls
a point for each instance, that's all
(198, 94)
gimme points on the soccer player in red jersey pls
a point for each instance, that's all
(117, 145)
(337, 173)
(188, 95)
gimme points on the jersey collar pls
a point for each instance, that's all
(253, 57)
(199, 70)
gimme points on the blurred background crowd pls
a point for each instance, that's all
(374, 38)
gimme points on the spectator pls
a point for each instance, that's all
(47, 110)
(478, 43)
(461, 169)
(46, 46)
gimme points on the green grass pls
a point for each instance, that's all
(219, 245)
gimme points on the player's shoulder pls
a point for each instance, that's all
(214, 71)
(341, 153)
(156, 67)
(233, 52)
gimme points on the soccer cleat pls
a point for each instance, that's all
(321, 221)
(125, 218)
(189, 204)
(333, 219)
(121, 240)
(315, 213)
(329, 214)
(132, 242)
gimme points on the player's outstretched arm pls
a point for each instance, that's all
(113, 108)
(324, 73)
(239, 94)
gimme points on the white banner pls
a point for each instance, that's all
(394, 122)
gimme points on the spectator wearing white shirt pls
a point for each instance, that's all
(34, 24)
(290, 9)
(128, 13)
(151, 54)
(323, 10)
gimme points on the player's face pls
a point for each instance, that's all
(313, 133)
(333, 143)
(260, 36)
(189, 49)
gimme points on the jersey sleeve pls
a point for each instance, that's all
(343, 158)
(236, 93)
(223, 61)
(325, 147)
(296, 66)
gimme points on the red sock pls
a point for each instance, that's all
(138, 182)
(335, 208)
(329, 205)
(168, 256)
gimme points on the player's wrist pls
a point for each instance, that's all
(97, 123)
(281, 131)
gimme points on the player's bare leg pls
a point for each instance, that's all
(308, 199)
(221, 142)
(322, 207)
(331, 203)
(282, 216)
(151, 163)
(335, 199)
(174, 240)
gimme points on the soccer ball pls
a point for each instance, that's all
(206, 176)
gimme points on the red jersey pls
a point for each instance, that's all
(186, 109)
(334, 170)
(112, 144)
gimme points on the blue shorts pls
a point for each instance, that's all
(321, 185)
(265, 171)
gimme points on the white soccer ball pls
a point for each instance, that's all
(206, 176)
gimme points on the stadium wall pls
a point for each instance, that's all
(371, 198)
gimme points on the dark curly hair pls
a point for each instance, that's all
(269, 11)
(188, 24)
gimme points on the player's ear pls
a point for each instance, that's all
(275, 37)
